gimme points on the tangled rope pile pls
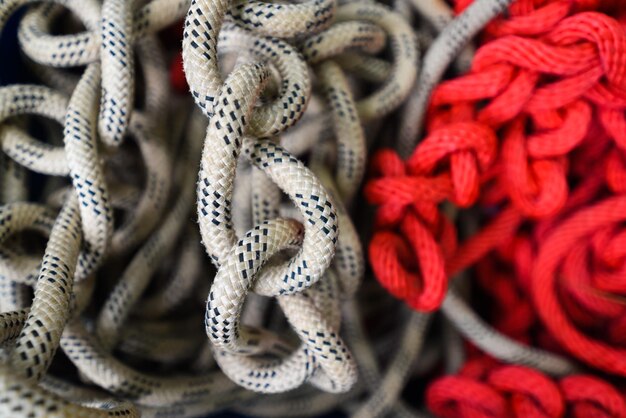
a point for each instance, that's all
(530, 139)
(483, 388)
(120, 298)
(113, 290)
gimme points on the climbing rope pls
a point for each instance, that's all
(111, 288)
(191, 240)
(529, 139)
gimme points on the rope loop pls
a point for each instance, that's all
(486, 389)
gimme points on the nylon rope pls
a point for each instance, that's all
(194, 239)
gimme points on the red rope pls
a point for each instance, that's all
(485, 389)
(534, 136)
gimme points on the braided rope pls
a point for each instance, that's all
(100, 251)
(324, 266)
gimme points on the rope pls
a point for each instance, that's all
(108, 271)
(482, 388)
(516, 137)
(102, 288)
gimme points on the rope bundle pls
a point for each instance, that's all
(530, 140)
(109, 274)
(121, 268)
(484, 389)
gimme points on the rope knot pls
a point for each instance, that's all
(604, 35)
(408, 255)
(484, 388)
(395, 190)
(465, 149)
(538, 187)
(410, 263)
(530, 392)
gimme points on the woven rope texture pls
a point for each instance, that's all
(405, 208)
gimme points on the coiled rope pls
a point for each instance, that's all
(526, 137)
(108, 274)
(116, 226)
